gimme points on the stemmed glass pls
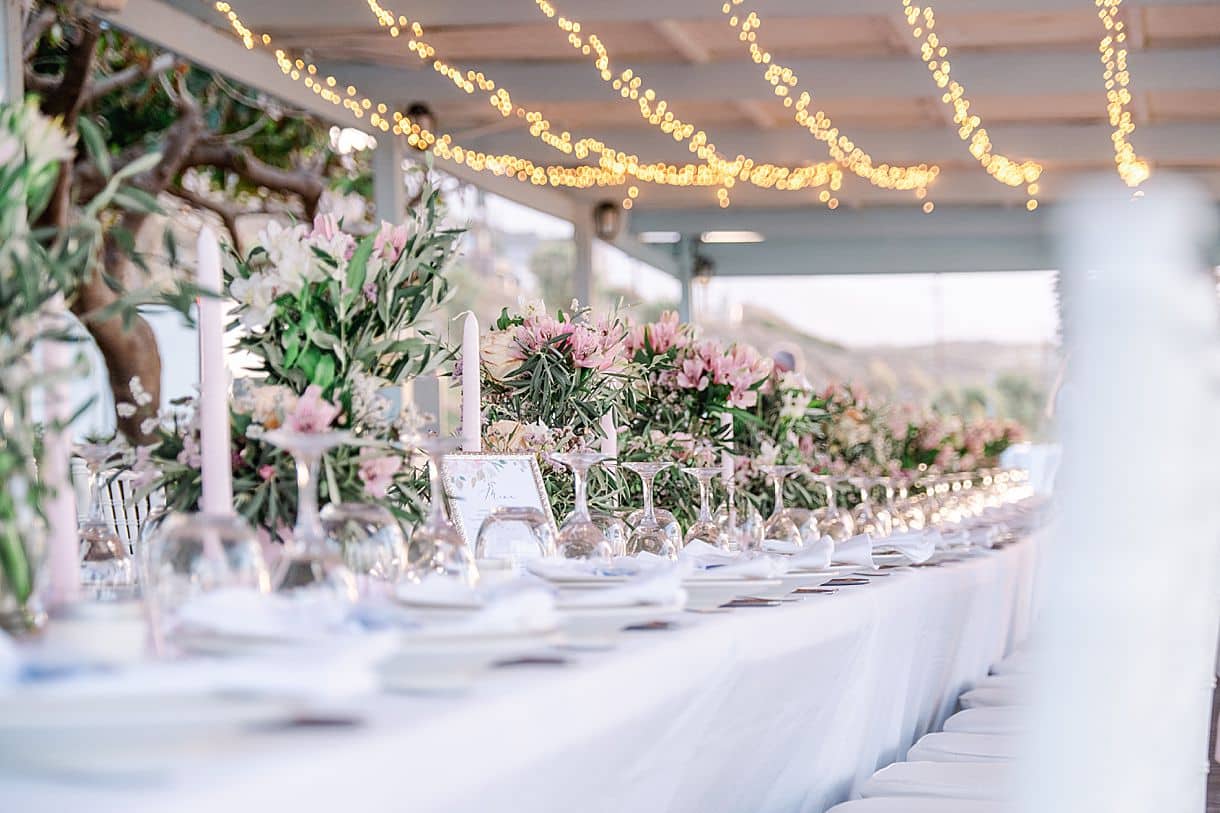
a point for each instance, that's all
(436, 546)
(888, 514)
(866, 521)
(311, 559)
(908, 508)
(779, 526)
(649, 535)
(832, 522)
(704, 527)
(107, 571)
(579, 536)
(736, 536)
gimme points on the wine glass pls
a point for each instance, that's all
(107, 571)
(649, 535)
(614, 529)
(865, 519)
(779, 526)
(704, 527)
(187, 555)
(909, 508)
(579, 536)
(887, 513)
(831, 521)
(311, 558)
(436, 546)
(514, 534)
(748, 519)
(736, 537)
(371, 540)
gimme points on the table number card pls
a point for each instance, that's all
(477, 484)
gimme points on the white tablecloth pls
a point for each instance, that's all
(757, 709)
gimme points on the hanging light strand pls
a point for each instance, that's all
(1113, 51)
(935, 55)
(719, 171)
(851, 156)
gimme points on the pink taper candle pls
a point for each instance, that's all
(214, 439)
(63, 549)
(472, 430)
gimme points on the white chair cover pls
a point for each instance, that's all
(909, 805)
(990, 720)
(959, 746)
(989, 781)
(993, 696)
(1018, 663)
(1009, 681)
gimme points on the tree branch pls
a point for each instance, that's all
(78, 70)
(228, 214)
(129, 76)
(38, 25)
(300, 182)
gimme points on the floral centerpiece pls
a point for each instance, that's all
(547, 381)
(332, 319)
(691, 393)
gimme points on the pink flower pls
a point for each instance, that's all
(312, 414)
(266, 471)
(325, 226)
(693, 374)
(377, 474)
(390, 241)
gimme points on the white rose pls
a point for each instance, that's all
(498, 352)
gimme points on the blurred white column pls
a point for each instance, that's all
(582, 274)
(1128, 630)
(12, 81)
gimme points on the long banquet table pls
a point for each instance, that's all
(755, 709)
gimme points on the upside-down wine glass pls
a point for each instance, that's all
(579, 536)
(736, 537)
(779, 526)
(832, 522)
(888, 513)
(106, 571)
(704, 528)
(311, 560)
(649, 535)
(436, 546)
(866, 521)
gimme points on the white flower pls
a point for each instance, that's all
(142, 396)
(768, 453)
(793, 406)
(291, 256)
(46, 141)
(256, 294)
(124, 409)
(9, 148)
(498, 352)
(255, 431)
(149, 425)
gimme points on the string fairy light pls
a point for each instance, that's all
(613, 167)
(841, 147)
(656, 111)
(935, 53)
(1113, 51)
(719, 172)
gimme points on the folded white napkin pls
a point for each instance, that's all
(755, 567)
(986, 537)
(816, 554)
(439, 591)
(914, 545)
(954, 538)
(303, 616)
(661, 589)
(554, 568)
(813, 555)
(858, 550)
(703, 554)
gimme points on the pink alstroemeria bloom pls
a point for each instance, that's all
(693, 374)
(377, 474)
(325, 226)
(390, 241)
(312, 413)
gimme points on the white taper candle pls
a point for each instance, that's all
(472, 430)
(609, 445)
(63, 548)
(214, 432)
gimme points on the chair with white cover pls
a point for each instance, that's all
(122, 506)
(985, 696)
(990, 720)
(958, 746)
(986, 781)
(910, 805)
(1011, 680)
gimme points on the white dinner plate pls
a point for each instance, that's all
(432, 661)
(708, 593)
(600, 627)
